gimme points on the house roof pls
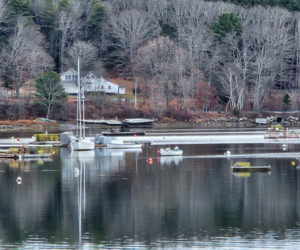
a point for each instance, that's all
(71, 69)
(95, 73)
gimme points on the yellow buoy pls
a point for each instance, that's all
(293, 163)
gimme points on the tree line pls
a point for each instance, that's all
(198, 53)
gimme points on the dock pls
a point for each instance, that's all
(245, 166)
(185, 138)
(8, 156)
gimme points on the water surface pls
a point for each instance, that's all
(120, 198)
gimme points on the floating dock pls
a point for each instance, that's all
(186, 138)
(244, 166)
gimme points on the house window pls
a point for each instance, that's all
(109, 87)
(102, 87)
(89, 85)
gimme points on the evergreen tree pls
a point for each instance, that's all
(288, 4)
(48, 23)
(96, 20)
(168, 30)
(22, 7)
(286, 99)
(227, 22)
(50, 93)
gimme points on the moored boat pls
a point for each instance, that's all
(170, 152)
(81, 142)
(121, 144)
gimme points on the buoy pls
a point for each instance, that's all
(18, 139)
(150, 160)
(228, 152)
(19, 180)
(293, 163)
(76, 172)
(284, 147)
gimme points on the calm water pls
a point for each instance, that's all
(115, 199)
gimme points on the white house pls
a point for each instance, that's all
(91, 82)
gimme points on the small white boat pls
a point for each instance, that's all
(80, 144)
(170, 152)
(121, 144)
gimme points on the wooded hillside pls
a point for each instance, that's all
(189, 55)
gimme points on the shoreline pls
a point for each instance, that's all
(224, 123)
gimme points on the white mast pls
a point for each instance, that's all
(79, 97)
(83, 115)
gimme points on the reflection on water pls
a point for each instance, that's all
(169, 160)
(115, 198)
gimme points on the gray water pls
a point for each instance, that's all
(136, 199)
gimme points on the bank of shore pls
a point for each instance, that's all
(208, 123)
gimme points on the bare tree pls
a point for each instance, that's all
(65, 28)
(118, 6)
(187, 76)
(69, 25)
(234, 87)
(193, 19)
(270, 50)
(126, 32)
(155, 63)
(85, 51)
(24, 57)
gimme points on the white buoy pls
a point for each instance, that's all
(19, 180)
(228, 152)
(284, 147)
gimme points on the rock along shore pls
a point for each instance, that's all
(209, 122)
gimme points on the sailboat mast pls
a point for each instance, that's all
(79, 97)
(77, 107)
(83, 114)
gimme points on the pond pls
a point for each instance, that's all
(111, 198)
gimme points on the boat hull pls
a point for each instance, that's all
(82, 144)
(164, 152)
(123, 146)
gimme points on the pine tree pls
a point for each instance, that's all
(49, 92)
(227, 22)
(95, 22)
